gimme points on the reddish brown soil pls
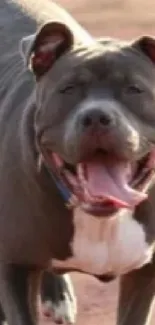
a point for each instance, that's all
(125, 19)
(96, 301)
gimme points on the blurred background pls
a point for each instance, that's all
(123, 18)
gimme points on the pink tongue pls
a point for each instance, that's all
(107, 179)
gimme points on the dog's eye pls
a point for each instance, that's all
(67, 89)
(134, 89)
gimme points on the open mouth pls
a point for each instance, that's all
(104, 184)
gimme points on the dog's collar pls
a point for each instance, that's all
(63, 190)
(65, 193)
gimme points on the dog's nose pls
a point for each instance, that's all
(96, 117)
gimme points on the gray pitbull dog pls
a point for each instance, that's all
(77, 163)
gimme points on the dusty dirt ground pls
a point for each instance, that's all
(124, 19)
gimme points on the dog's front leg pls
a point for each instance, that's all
(58, 298)
(18, 294)
(137, 291)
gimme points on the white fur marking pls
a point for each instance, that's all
(64, 311)
(99, 246)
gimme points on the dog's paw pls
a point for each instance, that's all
(62, 307)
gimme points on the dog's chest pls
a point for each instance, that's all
(101, 246)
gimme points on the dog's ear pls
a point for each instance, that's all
(146, 44)
(42, 49)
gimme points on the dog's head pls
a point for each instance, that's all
(95, 118)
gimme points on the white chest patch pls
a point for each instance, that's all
(101, 246)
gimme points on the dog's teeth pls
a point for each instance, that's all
(70, 178)
(58, 161)
(143, 174)
(40, 161)
(80, 172)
